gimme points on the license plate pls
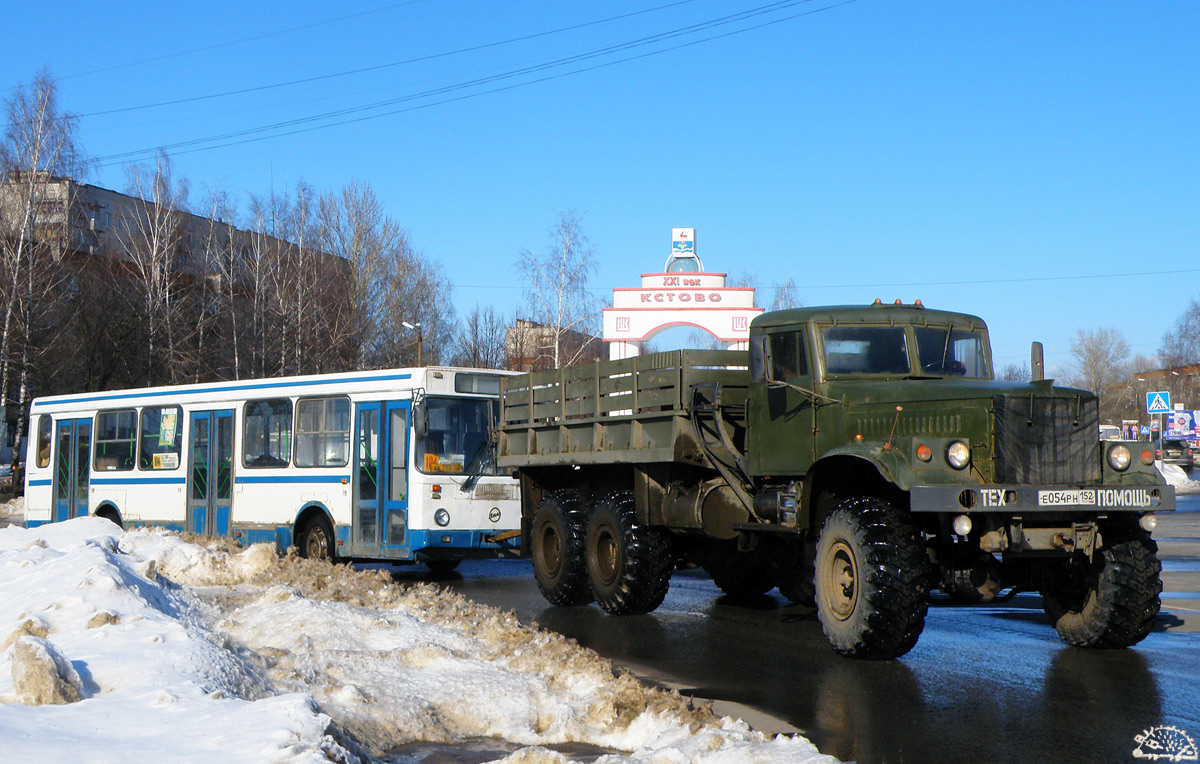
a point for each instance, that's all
(1063, 498)
(1104, 498)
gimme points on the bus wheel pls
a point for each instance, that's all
(110, 514)
(441, 567)
(628, 564)
(316, 542)
(871, 579)
(556, 538)
(1110, 602)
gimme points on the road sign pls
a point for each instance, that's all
(1158, 402)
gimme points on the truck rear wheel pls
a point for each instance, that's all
(871, 579)
(1110, 602)
(796, 584)
(736, 574)
(557, 548)
(628, 564)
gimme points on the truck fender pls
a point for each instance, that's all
(891, 466)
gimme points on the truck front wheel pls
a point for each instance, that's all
(557, 549)
(871, 579)
(1110, 602)
(628, 564)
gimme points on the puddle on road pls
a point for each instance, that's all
(482, 750)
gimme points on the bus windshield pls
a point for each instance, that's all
(457, 440)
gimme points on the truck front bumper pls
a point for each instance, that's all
(1024, 499)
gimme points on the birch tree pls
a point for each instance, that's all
(387, 283)
(1101, 365)
(39, 146)
(1181, 344)
(557, 294)
(481, 343)
(154, 242)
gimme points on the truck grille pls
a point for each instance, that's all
(1047, 440)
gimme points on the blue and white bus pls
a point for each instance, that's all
(387, 465)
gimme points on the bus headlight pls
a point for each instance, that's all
(1118, 458)
(958, 455)
(441, 517)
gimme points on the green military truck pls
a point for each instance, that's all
(857, 458)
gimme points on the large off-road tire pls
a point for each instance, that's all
(738, 576)
(795, 582)
(316, 540)
(556, 538)
(871, 579)
(628, 564)
(1111, 601)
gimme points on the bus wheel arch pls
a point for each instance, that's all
(109, 512)
(313, 534)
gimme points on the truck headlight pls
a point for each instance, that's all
(958, 455)
(1118, 458)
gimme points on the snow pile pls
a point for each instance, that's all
(1177, 476)
(144, 644)
(104, 661)
(12, 512)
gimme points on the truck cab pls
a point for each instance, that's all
(1005, 484)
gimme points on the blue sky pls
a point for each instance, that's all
(1037, 164)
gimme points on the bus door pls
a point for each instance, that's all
(381, 478)
(210, 472)
(71, 468)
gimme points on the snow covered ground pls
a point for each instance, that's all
(143, 646)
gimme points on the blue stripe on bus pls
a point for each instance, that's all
(232, 387)
(291, 479)
(136, 481)
(47, 481)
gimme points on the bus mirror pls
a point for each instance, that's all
(420, 419)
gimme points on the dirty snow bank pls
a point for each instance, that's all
(1178, 477)
(153, 683)
(186, 652)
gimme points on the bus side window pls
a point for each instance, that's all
(116, 439)
(45, 425)
(267, 440)
(322, 432)
(160, 438)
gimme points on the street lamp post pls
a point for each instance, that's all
(417, 328)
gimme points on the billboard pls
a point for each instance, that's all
(1182, 425)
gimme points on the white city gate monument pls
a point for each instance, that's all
(682, 295)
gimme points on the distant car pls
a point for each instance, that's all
(1178, 452)
(1110, 432)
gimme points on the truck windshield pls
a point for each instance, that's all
(865, 350)
(458, 436)
(954, 352)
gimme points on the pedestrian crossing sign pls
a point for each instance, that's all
(1158, 402)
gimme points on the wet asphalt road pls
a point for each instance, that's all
(984, 684)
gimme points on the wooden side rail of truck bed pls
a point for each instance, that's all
(609, 412)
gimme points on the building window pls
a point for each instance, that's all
(116, 440)
(323, 432)
(267, 438)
